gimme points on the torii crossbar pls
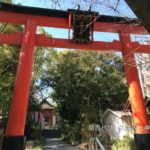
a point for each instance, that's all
(32, 17)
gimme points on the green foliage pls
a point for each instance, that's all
(34, 103)
(105, 138)
(125, 144)
(8, 64)
(83, 80)
(39, 141)
(35, 145)
(69, 134)
(6, 1)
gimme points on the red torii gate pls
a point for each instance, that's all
(32, 17)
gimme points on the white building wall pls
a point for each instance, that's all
(118, 126)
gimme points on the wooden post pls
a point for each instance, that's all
(139, 114)
(18, 110)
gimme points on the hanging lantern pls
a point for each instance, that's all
(82, 24)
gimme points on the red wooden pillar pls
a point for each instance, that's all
(139, 114)
(18, 110)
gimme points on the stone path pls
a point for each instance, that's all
(57, 144)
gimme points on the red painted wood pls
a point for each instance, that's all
(138, 48)
(11, 39)
(43, 41)
(18, 110)
(115, 28)
(135, 93)
(56, 22)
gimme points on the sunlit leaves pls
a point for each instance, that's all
(79, 79)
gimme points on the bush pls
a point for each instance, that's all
(72, 136)
(39, 142)
(105, 138)
(125, 144)
(69, 133)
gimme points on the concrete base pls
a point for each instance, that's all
(13, 143)
(142, 141)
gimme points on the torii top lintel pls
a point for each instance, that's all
(58, 18)
(16, 14)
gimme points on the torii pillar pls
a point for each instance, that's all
(14, 139)
(139, 114)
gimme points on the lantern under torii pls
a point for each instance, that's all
(82, 24)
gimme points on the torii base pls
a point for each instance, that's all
(14, 143)
(142, 141)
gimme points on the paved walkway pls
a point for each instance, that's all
(57, 144)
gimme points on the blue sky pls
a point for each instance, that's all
(104, 8)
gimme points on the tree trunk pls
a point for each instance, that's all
(142, 10)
